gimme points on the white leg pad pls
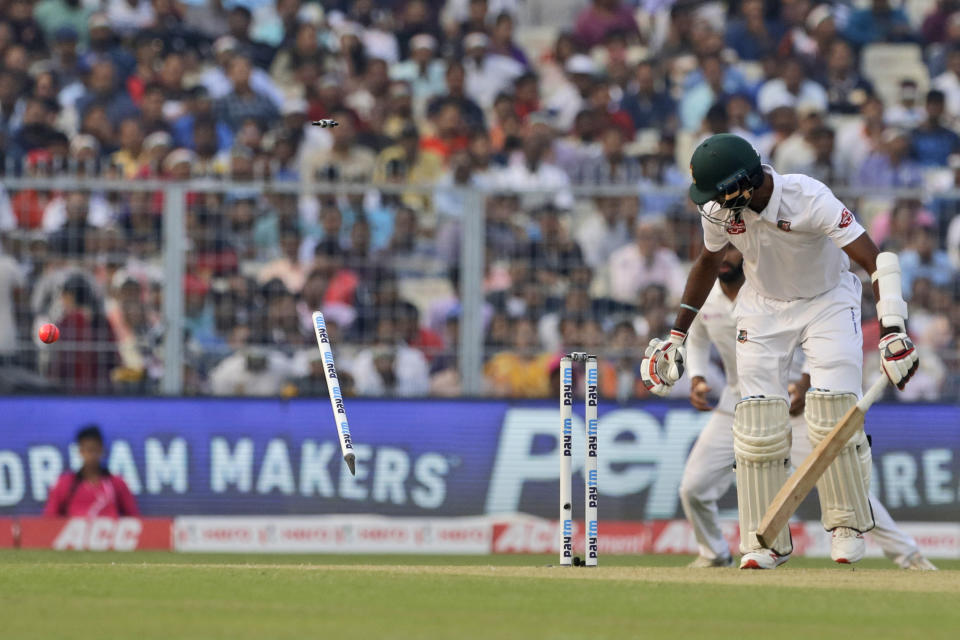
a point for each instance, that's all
(844, 487)
(761, 444)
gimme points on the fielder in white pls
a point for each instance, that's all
(797, 241)
(709, 470)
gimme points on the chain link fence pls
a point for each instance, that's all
(468, 288)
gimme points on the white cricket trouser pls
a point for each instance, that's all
(827, 328)
(709, 474)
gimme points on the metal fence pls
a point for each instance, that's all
(206, 286)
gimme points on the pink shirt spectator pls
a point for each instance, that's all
(76, 498)
(601, 18)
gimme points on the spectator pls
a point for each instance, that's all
(455, 94)
(907, 113)
(530, 169)
(711, 86)
(949, 83)
(922, 259)
(251, 371)
(391, 367)
(824, 166)
(501, 39)
(405, 162)
(305, 46)
(931, 142)
(91, 491)
(84, 362)
(614, 165)
(846, 88)
(52, 15)
(858, 139)
(523, 371)
(103, 89)
(314, 383)
(792, 89)
(71, 239)
(287, 268)
(218, 82)
(104, 45)
(12, 281)
(344, 161)
(600, 100)
(423, 72)
(552, 253)
(243, 102)
(752, 35)
(891, 166)
(128, 17)
(199, 106)
(568, 100)
(601, 18)
(131, 157)
(649, 105)
(487, 73)
(644, 262)
(139, 336)
(880, 22)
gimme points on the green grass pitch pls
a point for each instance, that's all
(141, 596)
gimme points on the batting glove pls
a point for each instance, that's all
(662, 364)
(899, 358)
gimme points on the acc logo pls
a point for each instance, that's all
(742, 335)
(784, 225)
(846, 218)
(736, 227)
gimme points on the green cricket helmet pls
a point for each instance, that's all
(726, 170)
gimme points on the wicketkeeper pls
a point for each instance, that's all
(797, 241)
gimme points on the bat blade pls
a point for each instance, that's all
(801, 483)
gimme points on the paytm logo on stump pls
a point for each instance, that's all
(637, 453)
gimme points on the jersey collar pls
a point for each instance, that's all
(773, 206)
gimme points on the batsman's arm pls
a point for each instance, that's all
(864, 252)
(700, 281)
(898, 355)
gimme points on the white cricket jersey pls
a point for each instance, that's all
(793, 248)
(716, 324)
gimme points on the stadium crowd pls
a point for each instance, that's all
(433, 97)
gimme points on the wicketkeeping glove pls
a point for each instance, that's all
(899, 358)
(662, 364)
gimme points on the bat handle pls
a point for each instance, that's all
(873, 393)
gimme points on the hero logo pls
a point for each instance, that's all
(846, 219)
(567, 538)
(567, 437)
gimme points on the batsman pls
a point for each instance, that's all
(797, 241)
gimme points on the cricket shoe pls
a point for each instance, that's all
(847, 545)
(710, 563)
(762, 559)
(916, 562)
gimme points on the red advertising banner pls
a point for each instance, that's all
(6, 533)
(96, 534)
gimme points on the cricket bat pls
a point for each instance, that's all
(803, 480)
